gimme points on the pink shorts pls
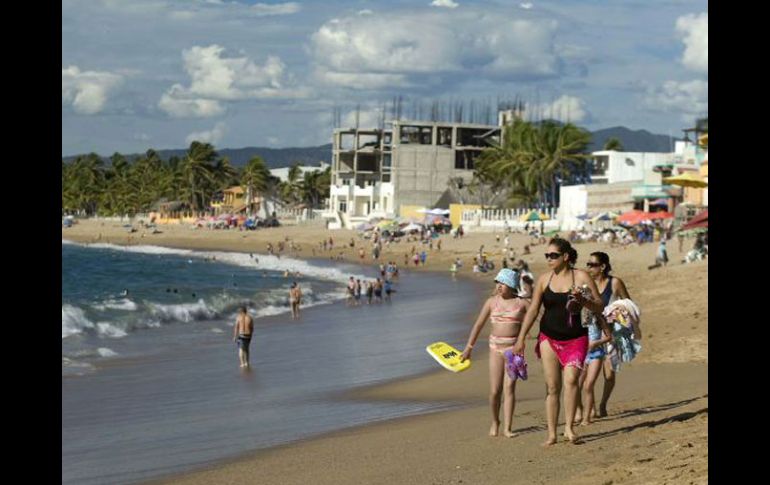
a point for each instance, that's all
(570, 352)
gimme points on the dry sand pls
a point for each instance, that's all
(656, 432)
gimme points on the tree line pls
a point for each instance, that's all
(123, 187)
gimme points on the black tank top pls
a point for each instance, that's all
(607, 293)
(555, 321)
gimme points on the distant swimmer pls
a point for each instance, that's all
(295, 298)
(242, 330)
(125, 292)
(193, 295)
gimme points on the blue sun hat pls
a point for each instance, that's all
(508, 277)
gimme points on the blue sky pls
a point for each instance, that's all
(139, 74)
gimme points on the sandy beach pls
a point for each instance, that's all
(656, 431)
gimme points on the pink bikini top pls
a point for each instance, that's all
(504, 316)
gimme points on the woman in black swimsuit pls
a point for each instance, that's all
(562, 341)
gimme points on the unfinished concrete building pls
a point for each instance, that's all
(374, 171)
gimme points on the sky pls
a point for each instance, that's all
(140, 74)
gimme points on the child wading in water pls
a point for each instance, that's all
(506, 311)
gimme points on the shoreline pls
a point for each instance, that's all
(380, 454)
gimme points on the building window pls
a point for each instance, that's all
(386, 177)
(444, 136)
(418, 135)
(465, 159)
(343, 206)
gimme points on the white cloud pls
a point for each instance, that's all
(275, 9)
(565, 108)
(421, 44)
(695, 31)
(444, 3)
(690, 98)
(212, 136)
(214, 78)
(361, 80)
(87, 91)
(368, 117)
(365, 12)
(177, 103)
(526, 6)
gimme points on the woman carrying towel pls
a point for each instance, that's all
(562, 343)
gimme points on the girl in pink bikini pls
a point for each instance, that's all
(506, 310)
(563, 340)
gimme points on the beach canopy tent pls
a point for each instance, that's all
(660, 202)
(631, 217)
(533, 216)
(434, 212)
(387, 223)
(659, 215)
(412, 227)
(438, 221)
(687, 179)
(605, 216)
(700, 220)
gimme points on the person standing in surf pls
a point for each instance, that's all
(295, 298)
(242, 330)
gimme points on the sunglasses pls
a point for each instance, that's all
(593, 265)
(552, 255)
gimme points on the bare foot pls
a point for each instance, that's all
(550, 441)
(510, 434)
(602, 412)
(572, 438)
(493, 429)
(585, 423)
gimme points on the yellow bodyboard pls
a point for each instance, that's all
(447, 356)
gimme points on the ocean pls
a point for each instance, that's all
(150, 378)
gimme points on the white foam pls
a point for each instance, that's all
(105, 352)
(73, 321)
(185, 312)
(122, 304)
(217, 330)
(107, 329)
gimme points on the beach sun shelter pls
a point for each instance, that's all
(687, 179)
(533, 216)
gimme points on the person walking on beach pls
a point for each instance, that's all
(369, 291)
(423, 257)
(611, 288)
(562, 343)
(505, 310)
(295, 298)
(378, 290)
(242, 330)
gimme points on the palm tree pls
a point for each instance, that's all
(85, 183)
(613, 144)
(315, 186)
(255, 178)
(196, 174)
(561, 151)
